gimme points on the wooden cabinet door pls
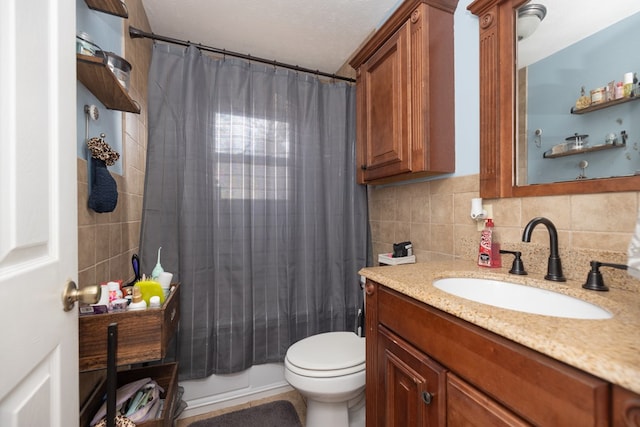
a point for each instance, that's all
(468, 407)
(383, 110)
(625, 408)
(412, 387)
(405, 95)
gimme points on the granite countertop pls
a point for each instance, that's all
(609, 348)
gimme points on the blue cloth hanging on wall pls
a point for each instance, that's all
(104, 190)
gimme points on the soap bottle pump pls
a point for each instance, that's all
(137, 303)
(157, 270)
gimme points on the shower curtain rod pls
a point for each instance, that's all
(135, 33)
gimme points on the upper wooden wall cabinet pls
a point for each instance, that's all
(405, 95)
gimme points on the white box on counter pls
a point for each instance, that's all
(388, 259)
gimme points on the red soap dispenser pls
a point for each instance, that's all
(489, 250)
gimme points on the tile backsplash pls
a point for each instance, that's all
(434, 216)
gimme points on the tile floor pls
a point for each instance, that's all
(293, 396)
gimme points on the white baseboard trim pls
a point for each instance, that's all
(207, 404)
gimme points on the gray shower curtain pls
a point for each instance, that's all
(250, 191)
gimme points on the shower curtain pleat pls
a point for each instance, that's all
(250, 190)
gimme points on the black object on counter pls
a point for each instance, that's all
(401, 249)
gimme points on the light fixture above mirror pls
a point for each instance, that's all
(529, 18)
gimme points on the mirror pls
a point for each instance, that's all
(503, 111)
(563, 135)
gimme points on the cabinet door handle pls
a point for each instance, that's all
(427, 397)
(370, 289)
(363, 167)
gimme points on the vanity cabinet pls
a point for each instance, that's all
(405, 95)
(474, 377)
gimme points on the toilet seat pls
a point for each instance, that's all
(330, 354)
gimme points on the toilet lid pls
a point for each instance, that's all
(328, 352)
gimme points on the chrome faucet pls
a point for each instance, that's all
(554, 267)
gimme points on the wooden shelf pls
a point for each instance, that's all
(112, 7)
(602, 105)
(143, 335)
(548, 155)
(100, 80)
(166, 375)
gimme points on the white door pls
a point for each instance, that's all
(38, 211)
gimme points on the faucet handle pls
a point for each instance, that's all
(595, 281)
(517, 267)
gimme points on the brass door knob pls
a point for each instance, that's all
(89, 294)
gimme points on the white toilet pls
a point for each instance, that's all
(329, 371)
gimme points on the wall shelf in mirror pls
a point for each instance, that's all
(100, 80)
(112, 7)
(602, 105)
(550, 155)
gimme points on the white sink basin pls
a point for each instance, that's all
(522, 298)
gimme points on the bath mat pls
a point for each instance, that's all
(280, 413)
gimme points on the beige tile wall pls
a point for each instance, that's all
(106, 241)
(434, 216)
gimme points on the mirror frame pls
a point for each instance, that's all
(497, 19)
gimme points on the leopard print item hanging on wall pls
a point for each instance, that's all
(102, 151)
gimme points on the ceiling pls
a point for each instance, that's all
(315, 34)
(323, 34)
(568, 21)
